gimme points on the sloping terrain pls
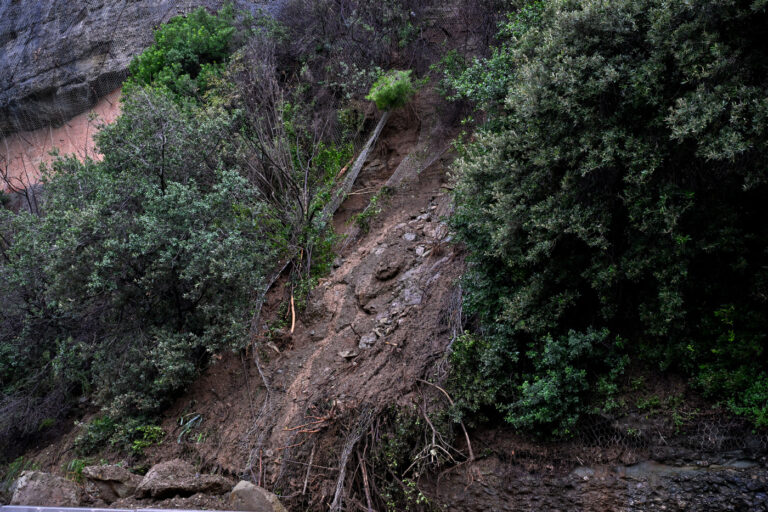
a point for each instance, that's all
(299, 412)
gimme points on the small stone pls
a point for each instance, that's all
(367, 341)
(421, 250)
(347, 354)
(410, 237)
(412, 296)
(389, 268)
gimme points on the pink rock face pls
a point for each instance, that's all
(21, 154)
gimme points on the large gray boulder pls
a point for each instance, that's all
(178, 478)
(58, 57)
(36, 488)
(247, 496)
(110, 483)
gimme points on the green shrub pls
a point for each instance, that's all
(74, 469)
(141, 266)
(130, 434)
(620, 187)
(189, 51)
(392, 90)
(485, 82)
(145, 436)
(95, 435)
(752, 402)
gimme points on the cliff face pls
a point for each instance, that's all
(58, 57)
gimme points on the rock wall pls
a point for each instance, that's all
(58, 57)
(493, 484)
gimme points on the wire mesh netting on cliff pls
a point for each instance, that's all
(632, 438)
(64, 65)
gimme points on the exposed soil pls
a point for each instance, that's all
(21, 154)
(378, 323)
(287, 413)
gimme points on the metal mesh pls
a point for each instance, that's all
(63, 64)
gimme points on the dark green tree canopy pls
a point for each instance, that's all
(620, 189)
(188, 51)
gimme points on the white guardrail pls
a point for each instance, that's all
(25, 508)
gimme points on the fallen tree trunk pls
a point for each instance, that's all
(326, 215)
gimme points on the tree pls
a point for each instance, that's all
(138, 268)
(619, 187)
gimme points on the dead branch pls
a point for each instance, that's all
(309, 468)
(463, 428)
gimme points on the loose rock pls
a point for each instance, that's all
(367, 341)
(35, 488)
(110, 483)
(247, 496)
(177, 478)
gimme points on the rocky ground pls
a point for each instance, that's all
(172, 484)
(290, 413)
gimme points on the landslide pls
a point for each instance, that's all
(367, 336)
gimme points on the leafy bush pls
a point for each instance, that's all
(619, 188)
(392, 90)
(188, 52)
(486, 81)
(340, 45)
(131, 434)
(752, 402)
(141, 266)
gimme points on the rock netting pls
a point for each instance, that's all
(60, 56)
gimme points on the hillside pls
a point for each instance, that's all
(436, 336)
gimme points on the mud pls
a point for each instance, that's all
(286, 414)
(22, 154)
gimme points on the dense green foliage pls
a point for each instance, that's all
(616, 193)
(392, 90)
(139, 267)
(188, 52)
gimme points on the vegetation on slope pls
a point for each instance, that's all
(138, 267)
(613, 207)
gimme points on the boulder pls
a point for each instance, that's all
(178, 478)
(389, 267)
(110, 483)
(35, 488)
(247, 496)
